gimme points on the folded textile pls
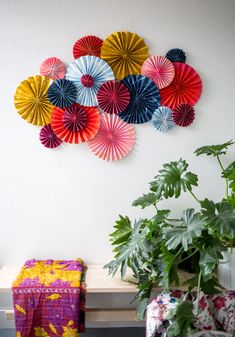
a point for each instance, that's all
(216, 312)
(49, 298)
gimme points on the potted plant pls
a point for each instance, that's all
(157, 248)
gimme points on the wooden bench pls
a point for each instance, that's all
(102, 307)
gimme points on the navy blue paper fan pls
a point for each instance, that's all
(176, 55)
(145, 99)
(62, 93)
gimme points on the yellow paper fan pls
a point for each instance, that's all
(31, 100)
(125, 52)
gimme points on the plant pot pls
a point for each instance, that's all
(226, 270)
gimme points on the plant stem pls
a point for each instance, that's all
(186, 258)
(155, 206)
(194, 196)
(198, 291)
(222, 168)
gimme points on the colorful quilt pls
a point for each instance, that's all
(49, 298)
(216, 312)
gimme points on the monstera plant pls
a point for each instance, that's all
(157, 248)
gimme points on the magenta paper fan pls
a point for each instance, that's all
(115, 138)
(159, 69)
(53, 68)
(113, 97)
(48, 138)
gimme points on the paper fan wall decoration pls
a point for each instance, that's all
(114, 140)
(62, 93)
(159, 69)
(186, 87)
(87, 45)
(88, 73)
(145, 99)
(53, 68)
(75, 124)
(48, 138)
(183, 115)
(113, 97)
(162, 119)
(125, 52)
(176, 55)
(111, 84)
(31, 100)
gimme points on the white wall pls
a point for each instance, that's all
(63, 203)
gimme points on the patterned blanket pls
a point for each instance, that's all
(49, 299)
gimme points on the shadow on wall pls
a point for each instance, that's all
(117, 332)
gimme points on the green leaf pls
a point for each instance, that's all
(183, 233)
(141, 308)
(219, 218)
(183, 320)
(123, 230)
(173, 178)
(214, 150)
(168, 266)
(146, 200)
(229, 173)
(133, 252)
(209, 287)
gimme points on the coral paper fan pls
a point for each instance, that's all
(114, 140)
(125, 52)
(186, 87)
(31, 100)
(62, 93)
(159, 69)
(88, 73)
(75, 124)
(87, 45)
(176, 55)
(53, 68)
(48, 138)
(162, 119)
(183, 115)
(113, 97)
(145, 98)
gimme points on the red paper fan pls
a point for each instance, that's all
(186, 87)
(159, 69)
(53, 68)
(183, 115)
(113, 97)
(75, 124)
(115, 138)
(48, 138)
(87, 45)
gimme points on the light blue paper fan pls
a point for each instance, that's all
(88, 73)
(162, 119)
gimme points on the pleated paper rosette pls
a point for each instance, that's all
(87, 45)
(159, 69)
(88, 73)
(176, 55)
(186, 87)
(31, 100)
(145, 99)
(53, 68)
(114, 140)
(162, 119)
(113, 97)
(62, 93)
(48, 138)
(75, 124)
(183, 114)
(125, 52)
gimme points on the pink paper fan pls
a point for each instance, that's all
(183, 115)
(53, 68)
(113, 97)
(87, 45)
(159, 69)
(114, 140)
(48, 138)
